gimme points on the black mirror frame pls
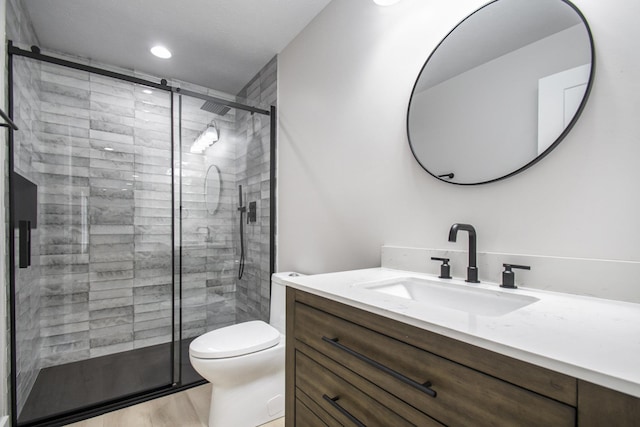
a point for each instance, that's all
(552, 146)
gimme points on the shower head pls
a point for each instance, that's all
(215, 108)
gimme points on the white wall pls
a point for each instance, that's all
(348, 182)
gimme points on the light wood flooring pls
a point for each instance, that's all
(188, 408)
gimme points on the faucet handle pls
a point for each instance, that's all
(445, 268)
(508, 276)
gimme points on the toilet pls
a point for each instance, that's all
(245, 365)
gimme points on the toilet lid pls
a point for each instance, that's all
(235, 340)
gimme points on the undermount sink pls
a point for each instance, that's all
(466, 298)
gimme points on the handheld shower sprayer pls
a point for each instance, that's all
(242, 209)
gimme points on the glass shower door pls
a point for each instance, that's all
(93, 239)
(205, 168)
(222, 147)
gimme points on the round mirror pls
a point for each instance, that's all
(501, 90)
(212, 187)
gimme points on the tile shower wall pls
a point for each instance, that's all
(106, 215)
(253, 173)
(106, 246)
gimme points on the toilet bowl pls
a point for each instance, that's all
(245, 365)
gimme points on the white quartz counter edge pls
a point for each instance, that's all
(592, 339)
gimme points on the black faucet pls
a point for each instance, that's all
(472, 269)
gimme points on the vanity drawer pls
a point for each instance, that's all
(337, 397)
(383, 397)
(463, 396)
(545, 382)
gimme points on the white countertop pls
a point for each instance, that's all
(593, 339)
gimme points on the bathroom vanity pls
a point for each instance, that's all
(364, 349)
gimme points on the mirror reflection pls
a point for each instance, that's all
(501, 90)
(212, 187)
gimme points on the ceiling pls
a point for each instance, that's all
(219, 44)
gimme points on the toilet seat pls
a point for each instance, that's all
(235, 340)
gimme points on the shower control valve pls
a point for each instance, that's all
(253, 214)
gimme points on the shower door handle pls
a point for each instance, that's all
(24, 230)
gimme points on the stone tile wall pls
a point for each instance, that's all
(105, 161)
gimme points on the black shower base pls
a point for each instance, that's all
(60, 390)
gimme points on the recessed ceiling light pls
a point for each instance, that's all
(161, 52)
(385, 2)
(147, 91)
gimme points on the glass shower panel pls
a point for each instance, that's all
(94, 309)
(207, 175)
(212, 172)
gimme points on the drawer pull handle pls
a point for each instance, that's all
(425, 388)
(333, 401)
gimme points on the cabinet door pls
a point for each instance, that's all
(599, 406)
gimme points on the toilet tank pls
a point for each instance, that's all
(277, 315)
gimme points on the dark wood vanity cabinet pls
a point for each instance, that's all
(350, 367)
(599, 406)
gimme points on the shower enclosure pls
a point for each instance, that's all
(125, 238)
